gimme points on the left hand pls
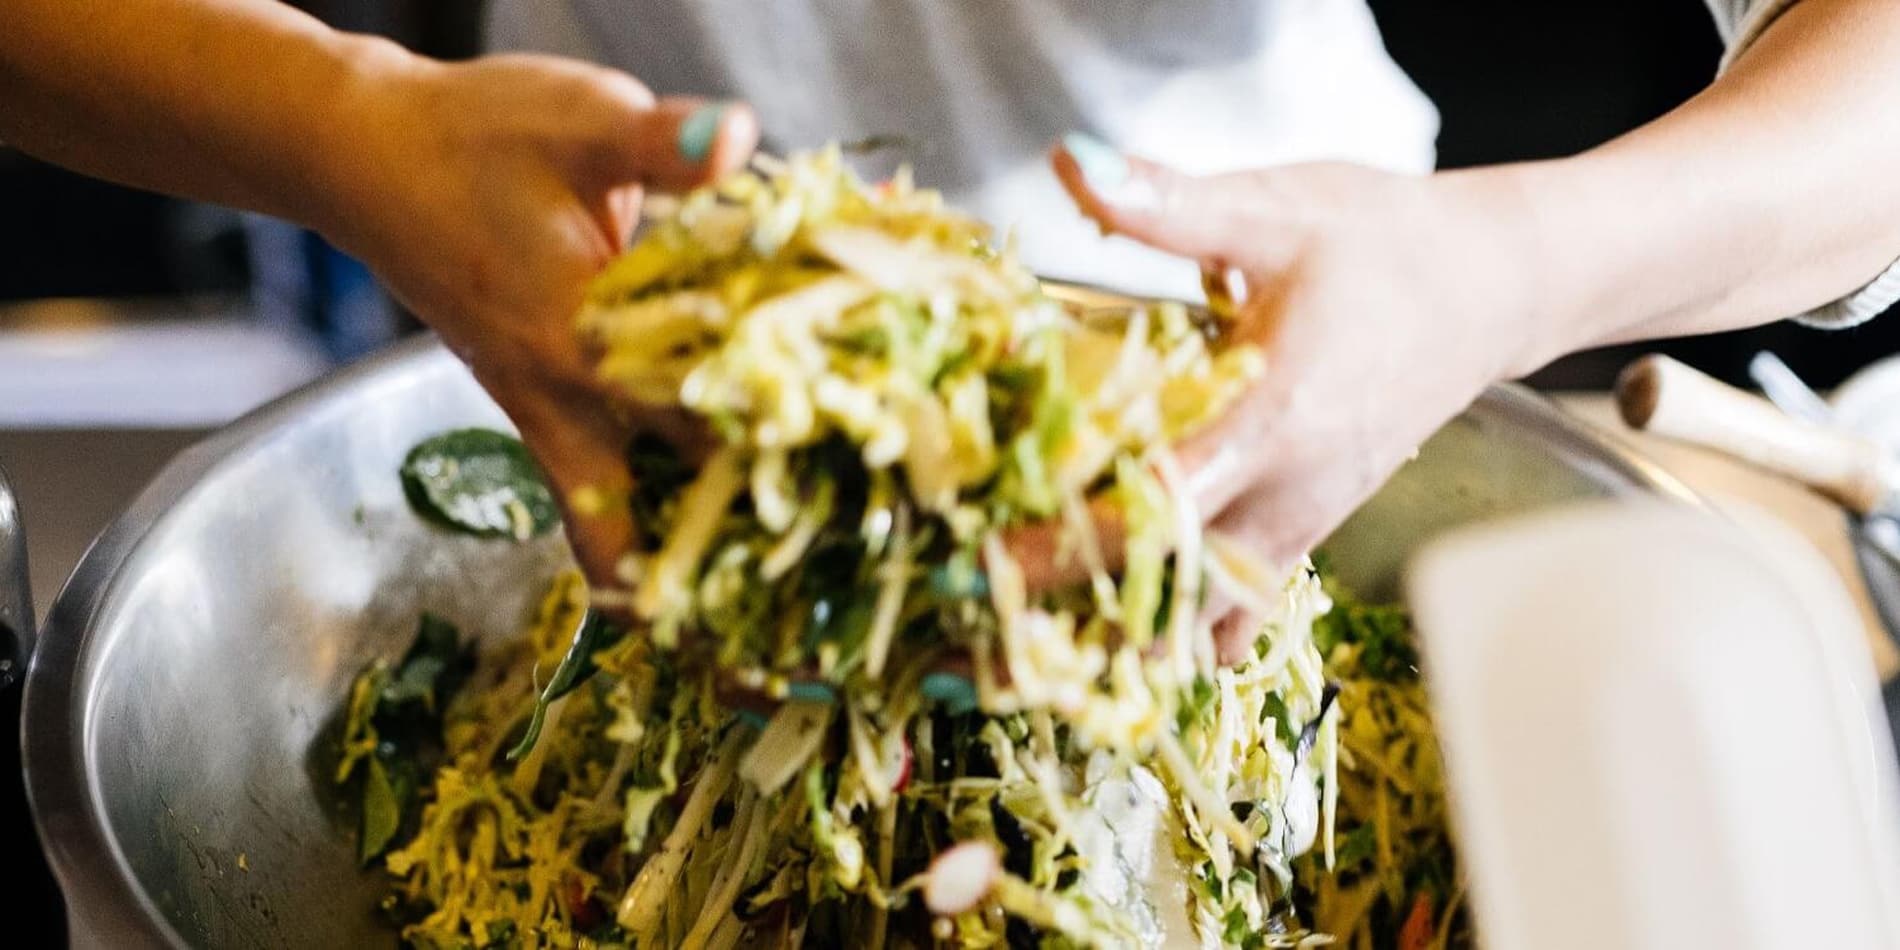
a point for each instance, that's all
(1383, 304)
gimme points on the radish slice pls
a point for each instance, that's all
(961, 876)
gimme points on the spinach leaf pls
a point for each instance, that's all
(402, 717)
(594, 635)
(435, 665)
(387, 793)
(481, 482)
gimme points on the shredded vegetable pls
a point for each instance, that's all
(949, 756)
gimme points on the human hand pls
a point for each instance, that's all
(1383, 304)
(486, 195)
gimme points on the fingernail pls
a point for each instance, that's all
(751, 718)
(953, 691)
(699, 130)
(807, 691)
(1104, 168)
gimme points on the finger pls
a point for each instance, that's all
(1049, 555)
(1236, 619)
(1235, 633)
(1205, 218)
(1228, 620)
(680, 428)
(618, 211)
(1275, 528)
(1219, 462)
(671, 145)
(582, 453)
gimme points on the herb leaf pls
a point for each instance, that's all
(1356, 846)
(481, 482)
(385, 798)
(434, 666)
(400, 720)
(594, 635)
(1383, 633)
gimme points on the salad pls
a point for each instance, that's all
(841, 713)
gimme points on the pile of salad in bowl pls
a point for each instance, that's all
(834, 710)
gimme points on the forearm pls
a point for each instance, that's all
(240, 102)
(1774, 191)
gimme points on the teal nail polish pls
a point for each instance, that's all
(811, 692)
(1105, 168)
(751, 718)
(699, 130)
(954, 692)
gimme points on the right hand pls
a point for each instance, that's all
(486, 195)
(1382, 305)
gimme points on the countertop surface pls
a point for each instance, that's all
(1725, 481)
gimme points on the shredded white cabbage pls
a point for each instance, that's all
(891, 396)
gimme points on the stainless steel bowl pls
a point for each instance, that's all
(180, 705)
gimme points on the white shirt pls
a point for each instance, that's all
(982, 87)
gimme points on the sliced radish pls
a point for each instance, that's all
(904, 766)
(961, 876)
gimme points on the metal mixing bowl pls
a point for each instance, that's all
(181, 704)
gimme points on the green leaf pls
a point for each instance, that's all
(404, 716)
(1235, 926)
(594, 635)
(481, 482)
(387, 793)
(501, 935)
(1275, 706)
(1356, 846)
(1383, 633)
(1197, 703)
(433, 666)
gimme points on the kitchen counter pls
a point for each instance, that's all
(1725, 481)
(71, 483)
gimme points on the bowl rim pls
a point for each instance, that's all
(103, 900)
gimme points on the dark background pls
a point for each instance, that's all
(1513, 80)
(1517, 80)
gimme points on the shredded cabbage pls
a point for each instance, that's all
(891, 393)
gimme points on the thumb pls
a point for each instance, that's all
(669, 145)
(1204, 218)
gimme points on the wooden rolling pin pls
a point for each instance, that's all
(1657, 394)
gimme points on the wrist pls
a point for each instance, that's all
(358, 109)
(1490, 253)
